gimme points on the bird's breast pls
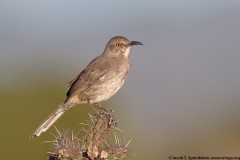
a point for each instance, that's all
(112, 81)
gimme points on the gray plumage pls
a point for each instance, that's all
(100, 80)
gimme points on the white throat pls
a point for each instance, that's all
(127, 51)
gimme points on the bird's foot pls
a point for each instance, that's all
(103, 111)
(99, 107)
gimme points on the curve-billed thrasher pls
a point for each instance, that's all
(101, 79)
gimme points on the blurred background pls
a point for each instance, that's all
(182, 95)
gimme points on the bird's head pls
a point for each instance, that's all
(119, 45)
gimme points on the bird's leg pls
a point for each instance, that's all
(105, 113)
(99, 107)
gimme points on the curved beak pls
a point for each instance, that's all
(132, 43)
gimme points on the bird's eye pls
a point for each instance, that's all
(118, 44)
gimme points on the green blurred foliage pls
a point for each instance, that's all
(24, 106)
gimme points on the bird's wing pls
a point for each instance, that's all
(88, 77)
(71, 82)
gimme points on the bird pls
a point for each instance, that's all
(99, 81)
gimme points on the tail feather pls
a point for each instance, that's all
(52, 118)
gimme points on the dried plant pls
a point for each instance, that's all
(92, 145)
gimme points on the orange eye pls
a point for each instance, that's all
(118, 44)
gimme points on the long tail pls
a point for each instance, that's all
(51, 119)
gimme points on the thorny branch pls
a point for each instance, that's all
(93, 145)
